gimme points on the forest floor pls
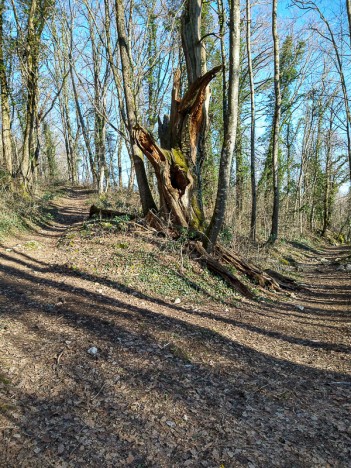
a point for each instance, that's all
(254, 384)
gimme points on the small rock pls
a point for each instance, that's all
(348, 267)
(185, 417)
(177, 301)
(341, 426)
(60, 449)
(300, 307)
(93, 351)
(171, 423)
(340, 268)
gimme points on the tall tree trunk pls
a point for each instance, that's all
(328, 182)
(239, 169)
(276, 126)
(146, 198)
(5, 102)
(230, 126)
(195, 59)
(252, 125)
(222, 22)
(35, 25)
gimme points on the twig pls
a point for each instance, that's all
(98, 393)
(58, 357)
(340, 383)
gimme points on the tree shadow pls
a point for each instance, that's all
(170, 387)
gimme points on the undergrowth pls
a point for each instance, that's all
(142, 263)
(20, 211)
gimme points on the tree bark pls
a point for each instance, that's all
(276, 126)
(195, 59)
(252, 125)
(348, 7)
(230, 127)
(5, 102)
(146, 198)
(30, 151)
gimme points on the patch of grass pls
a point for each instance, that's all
(157, 268)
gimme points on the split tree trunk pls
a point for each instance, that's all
(195, 59)
(175, 160)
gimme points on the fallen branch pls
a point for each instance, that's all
(105, 213)
(213, 265)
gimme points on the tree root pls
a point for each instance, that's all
(284, 281)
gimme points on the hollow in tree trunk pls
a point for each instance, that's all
(175, 160)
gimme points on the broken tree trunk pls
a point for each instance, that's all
(175, 160)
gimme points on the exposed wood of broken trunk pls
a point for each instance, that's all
(175, 160)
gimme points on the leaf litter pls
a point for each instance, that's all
(172, 384)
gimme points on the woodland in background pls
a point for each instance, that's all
(175, 99)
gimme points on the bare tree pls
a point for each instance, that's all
(276, 126)
(230, 126)
(252, 124)
(5, 101)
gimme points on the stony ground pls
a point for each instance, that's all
(262, 384)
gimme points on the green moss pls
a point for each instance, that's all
(197, 220)
(284, 261)
(179, 159)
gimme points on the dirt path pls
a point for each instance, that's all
(260, 385)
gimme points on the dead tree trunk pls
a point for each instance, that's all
(175, 161)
